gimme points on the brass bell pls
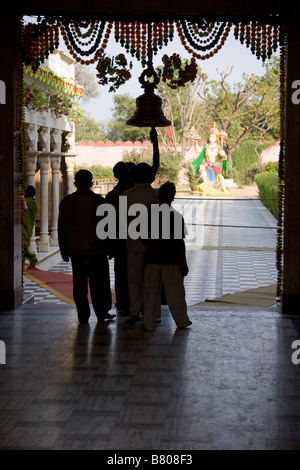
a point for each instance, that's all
(148, 106)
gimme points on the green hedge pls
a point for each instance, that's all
(245, 156)
(98, 171)
(267, 183)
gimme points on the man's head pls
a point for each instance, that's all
(121, 171)
(167, 193)
(30, 191)
(83, 179)
(143, 173)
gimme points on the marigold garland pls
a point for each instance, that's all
(176, 72)
(39, 40)
(281, 186)
(203, 37)
(19, 134)
(113, 71)
(86, 40)
(262, 39)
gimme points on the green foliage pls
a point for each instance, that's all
(97, 171)
(170, 164)
(272, 167)
(117, 129)
(101, 172)
(267, 183)
(248, 109)
(88, 129)
(248, 175)
(136, 156)
(194, 179)
(245, 156)
(46, 99)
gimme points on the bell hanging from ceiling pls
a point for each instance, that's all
(148, 106)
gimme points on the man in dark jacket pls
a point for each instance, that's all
(122, 174)
(78, 241)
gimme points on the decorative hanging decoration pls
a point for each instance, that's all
(279, 246)
(134, 37)
(176, 72)
(113, 71)
(262, 39)
(19, 133)
(86, 39)
(203, 39)
(39, 40)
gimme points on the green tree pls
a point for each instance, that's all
(85, 78)
(89, 129)
(181, 105)
(117, 129)
(170, 163)
(249, 110)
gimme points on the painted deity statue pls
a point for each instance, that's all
(207, 162)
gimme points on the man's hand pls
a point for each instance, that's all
(184, 269)
(153, 136)
(65, 257)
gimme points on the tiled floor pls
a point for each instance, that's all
(227, 382)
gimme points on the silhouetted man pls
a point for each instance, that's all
(143, 194)
(122, 174)
(165, 261)
(78, 241)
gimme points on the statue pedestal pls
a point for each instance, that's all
(213, 189)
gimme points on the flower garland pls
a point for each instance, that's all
(39, 40)
(279, 247)
(19, 134)
(36, 99)
(95, 39)
(46, 75)
(176, 72)
(262, 39)
(203, 36)
(113, 71)
(133, 36)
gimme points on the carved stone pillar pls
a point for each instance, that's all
(31, 137)
(44, 139)
(55, 141)
(55, 167)
(70, 161)
(31, 170)
(55, 159)
(44, 231)
(68, 147)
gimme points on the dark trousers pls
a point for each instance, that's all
(92, 271)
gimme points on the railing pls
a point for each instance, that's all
(103, 186)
